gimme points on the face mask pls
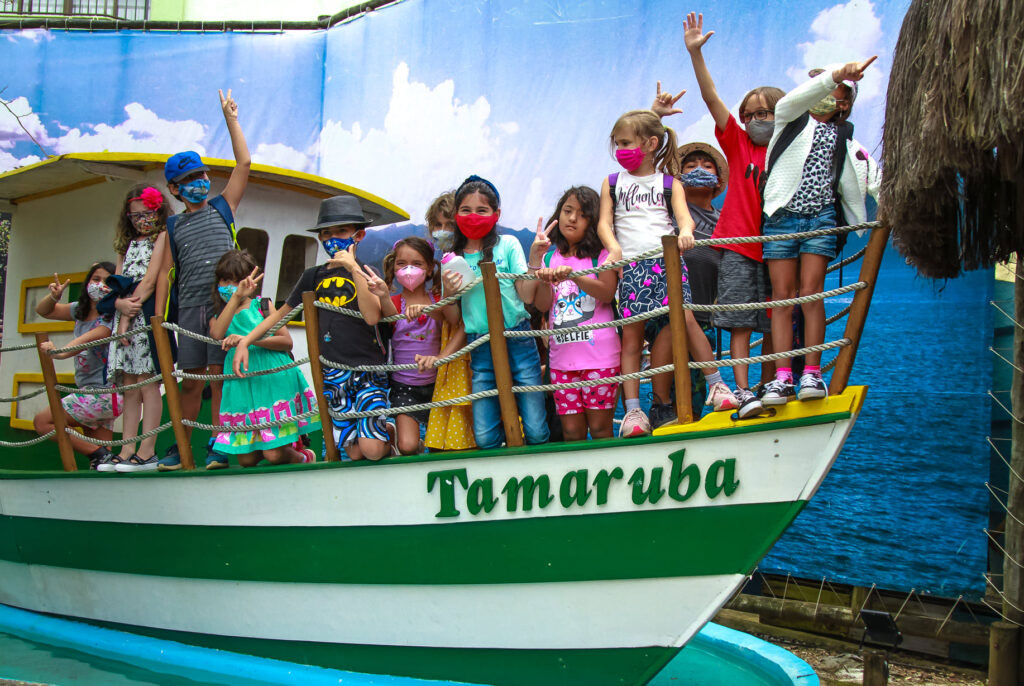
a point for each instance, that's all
(226, 292)
(443, 239)
(476, 226)
(760, 132)
(195, 191)
(699, 178)
(144, 222)
(826, 105)
(411, 277)
(97, 290)
(630, 158)
(334, 245)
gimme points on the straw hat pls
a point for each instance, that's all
(712, 152)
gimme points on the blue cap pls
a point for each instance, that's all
(182, 164)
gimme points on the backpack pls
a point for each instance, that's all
(844, 134)
(666, 180)
(224, 210)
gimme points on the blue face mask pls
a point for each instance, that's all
(335, 245)
(226, 292)
(699, 178)
(444, 239)
(195, 191)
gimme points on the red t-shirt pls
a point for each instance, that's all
(741, 211)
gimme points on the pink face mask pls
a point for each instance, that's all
(630, 158)
(410, 277)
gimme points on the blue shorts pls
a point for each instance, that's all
(348, 391)
(785, 221)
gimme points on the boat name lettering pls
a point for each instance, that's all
(480, 495)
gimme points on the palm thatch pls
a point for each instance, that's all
(953, 145)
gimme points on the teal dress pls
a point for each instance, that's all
(259, 399)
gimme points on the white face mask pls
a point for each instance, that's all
(97, 290)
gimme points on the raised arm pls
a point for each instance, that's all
(694, 39)
(50, 306)
(235, 189)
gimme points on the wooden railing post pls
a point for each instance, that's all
(499, 356)
(677, 324)
(312, 318)
(171, 392)
(859, 310)
(67, 453)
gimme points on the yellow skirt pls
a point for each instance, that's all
(451, 427)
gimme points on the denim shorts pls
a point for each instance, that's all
(785, 221)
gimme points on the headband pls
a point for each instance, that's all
(474, 177)
(151, 197)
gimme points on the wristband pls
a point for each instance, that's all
(532, 268)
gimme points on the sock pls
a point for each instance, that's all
(784, 374)
(812, 369)
(632, 404)
(713, 378)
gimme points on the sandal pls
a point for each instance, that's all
(137, 464)
(110, 464)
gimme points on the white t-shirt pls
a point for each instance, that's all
(641, 215)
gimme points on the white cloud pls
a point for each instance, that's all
(11, 131)
(9, 161)
(281, 155)
(31, 35)
(845, 32)
(142, 131)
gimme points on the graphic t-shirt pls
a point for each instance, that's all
(641, 215)
(91, 363)
(702, 263)
(343, 339)
(201, 238)
(570, 307)
(509, 258)
(741, 211)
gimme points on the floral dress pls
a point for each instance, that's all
(135, 356)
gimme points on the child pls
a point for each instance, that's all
(198, 238)
(94, 413)
(742, 277)
(416, 338)
(451, 427)
(477, 209)
(803, 193)
(580, 300)
(632, 222)
(257, 399)
(344, 339)
(141, 244)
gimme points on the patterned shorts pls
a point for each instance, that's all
(348, 391)
(574, 400)
(643, 287)
(403, 395)
(94, 411)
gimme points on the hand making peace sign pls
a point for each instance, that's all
(228, 105)
(249, 286)
(541, 241)
(57, 288)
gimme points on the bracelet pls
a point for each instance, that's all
(532, 268)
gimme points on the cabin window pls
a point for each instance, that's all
(255, 241)
(297, 254)
(34, 290)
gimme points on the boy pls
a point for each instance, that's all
(198, 238)
(340, 281)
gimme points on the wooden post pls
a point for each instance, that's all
(171, 392)
(312, 318)
(876, 669)
(1002, 654)
(872, 261)
(499, 356)
(67, 453)
(1013, 536)
(677, 323)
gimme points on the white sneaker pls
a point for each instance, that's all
(634, 423)
(811, 388)
(777, 392)
(750, 404)
(721, 398)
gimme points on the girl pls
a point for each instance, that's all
(804, 192)
(257, 399)
(448, 428)
(580, 300)
(140, 243)
(94, 413)
(417, 339)
(477, 209)
(632, 222)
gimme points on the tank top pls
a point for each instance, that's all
(641, 216)
(422, 336)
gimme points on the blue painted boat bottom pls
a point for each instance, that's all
(43, 649)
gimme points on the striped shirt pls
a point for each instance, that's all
(201, 238)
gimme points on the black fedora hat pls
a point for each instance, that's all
(341, 209)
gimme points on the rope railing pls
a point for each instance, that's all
(849, 260)
(125, 441)
(464, 350)
(171, 326)
(23, 396)
(14, 348)
(390, 411)
(443, 302)
(104, 390)
(32, 441)
(245, 428)
(244, 375)
(100, 341)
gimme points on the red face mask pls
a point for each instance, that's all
(475, 226)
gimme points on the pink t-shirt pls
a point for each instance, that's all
(741, 211)
(570, 306)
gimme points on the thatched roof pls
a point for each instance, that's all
(953, 146)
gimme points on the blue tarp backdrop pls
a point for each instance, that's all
(407, 101)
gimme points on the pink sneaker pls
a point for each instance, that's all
(721, 398)
(634, 423)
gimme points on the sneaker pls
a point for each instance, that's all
(308, 456)
(137, 464)
(778, 392)
(109, 464)
(99, 457)
(750, 404)
(662, 413)
(171, 461)
(721, 398)
(811, 388)
(215, 460)
(634, 423)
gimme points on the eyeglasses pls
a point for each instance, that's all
(759, 115)
(148, 214)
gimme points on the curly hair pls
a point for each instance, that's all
(426, 251)
(443, 204)
(125, 232)
(590, 207)
(645, 124)
(234, 265)
(474, 184)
